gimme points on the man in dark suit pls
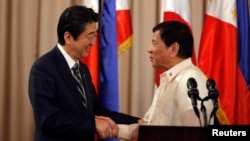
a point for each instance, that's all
(65, 108)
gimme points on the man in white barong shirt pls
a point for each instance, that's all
(171, 51)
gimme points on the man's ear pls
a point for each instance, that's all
(175, 49)
(67, 37)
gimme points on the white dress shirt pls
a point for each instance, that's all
(171, 105)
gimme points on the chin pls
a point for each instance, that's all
(85, 55)
(154, 66)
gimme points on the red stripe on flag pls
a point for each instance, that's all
(218, 60)
(172, 16)
(243, 98)
(124, 27)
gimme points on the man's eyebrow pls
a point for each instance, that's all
(93, 32)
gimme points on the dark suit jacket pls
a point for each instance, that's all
(58, 110)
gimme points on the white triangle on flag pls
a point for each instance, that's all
(224, 10)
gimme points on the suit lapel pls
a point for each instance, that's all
(67, 77)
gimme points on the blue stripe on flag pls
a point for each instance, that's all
(108, 50)
(108, 61)
(244, 39)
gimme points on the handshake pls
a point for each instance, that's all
(107, 128)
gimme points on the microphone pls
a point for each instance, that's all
(213, 94)
(193, 93)
(212, 91)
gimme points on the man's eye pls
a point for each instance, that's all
(92, 35)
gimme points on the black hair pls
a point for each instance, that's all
(74, 20)
(174, 31)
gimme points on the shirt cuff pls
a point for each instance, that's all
(125, 131)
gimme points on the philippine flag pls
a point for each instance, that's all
(224, 56)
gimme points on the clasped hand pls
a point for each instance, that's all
(106, 127)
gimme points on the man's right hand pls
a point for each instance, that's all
(106, 127)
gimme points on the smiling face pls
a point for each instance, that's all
(80, 47)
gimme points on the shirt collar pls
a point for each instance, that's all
(171, 73)
(68, 59)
